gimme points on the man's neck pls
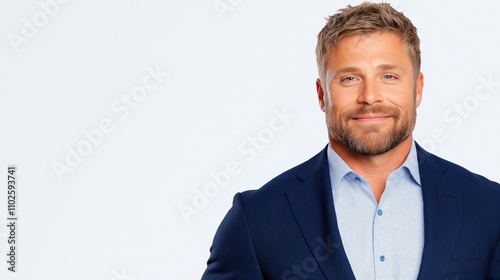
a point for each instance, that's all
(375, 169)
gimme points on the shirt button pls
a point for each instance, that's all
(380, 212)
(382, 258)
(358, 179)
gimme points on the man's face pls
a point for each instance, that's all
(371, 93)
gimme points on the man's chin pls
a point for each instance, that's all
(364, 130)
(372, 144)
(375, 145)
(371, 151)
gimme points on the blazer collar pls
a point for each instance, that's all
(443, 206)
(312, 205)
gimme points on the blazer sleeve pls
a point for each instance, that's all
(232, 255)
(494, 269)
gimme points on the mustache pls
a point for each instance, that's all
(374, 109)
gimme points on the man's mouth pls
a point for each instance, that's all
(372, 117)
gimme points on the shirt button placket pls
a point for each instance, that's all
(382, 241)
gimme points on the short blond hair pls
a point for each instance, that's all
(365, 19)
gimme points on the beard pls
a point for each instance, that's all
(371, 139)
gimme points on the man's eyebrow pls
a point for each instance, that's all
(385, 67)
(344, 70)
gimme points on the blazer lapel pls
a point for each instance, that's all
(443, 206)
(312, 205)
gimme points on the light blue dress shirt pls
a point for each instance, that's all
(384, 240)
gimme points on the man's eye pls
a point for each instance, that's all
(349, 79)
(389, 77)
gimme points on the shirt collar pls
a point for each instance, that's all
(338, 168)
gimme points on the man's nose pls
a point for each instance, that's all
(370, 93)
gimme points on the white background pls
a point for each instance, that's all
(116, 214)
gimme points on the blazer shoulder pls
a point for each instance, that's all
(458, 174)
(292, 177)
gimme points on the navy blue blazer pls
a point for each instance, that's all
(288, 229)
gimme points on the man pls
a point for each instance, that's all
(373, 204)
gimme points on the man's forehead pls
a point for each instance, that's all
(383, 45)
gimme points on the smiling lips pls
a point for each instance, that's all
(372, 117)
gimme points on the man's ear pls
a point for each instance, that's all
(419, 88)
(321, 95)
